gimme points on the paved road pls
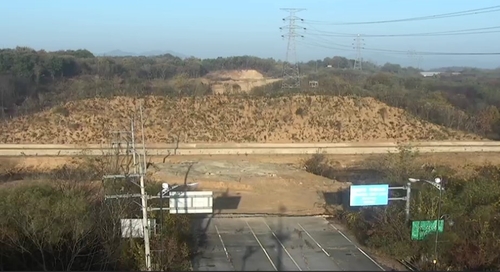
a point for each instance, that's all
(278, 244)
(249, 148)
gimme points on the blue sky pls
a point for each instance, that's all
(212, 28)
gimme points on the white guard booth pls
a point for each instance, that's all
(182, 202)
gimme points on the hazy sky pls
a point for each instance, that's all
(212, 28)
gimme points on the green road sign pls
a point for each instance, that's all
(420, 229)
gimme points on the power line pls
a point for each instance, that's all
(324, 46)
(421, 18)
(459, 32)
(328, 47)
(291, 73)
(320, 39)
(438, 53)
(406, 52)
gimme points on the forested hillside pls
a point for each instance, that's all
(32, 81)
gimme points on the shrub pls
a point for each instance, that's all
(470, 208)
(60, 221)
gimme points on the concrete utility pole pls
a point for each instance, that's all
(144, 200)
(138, 171)
(291, 73)
(358, 45)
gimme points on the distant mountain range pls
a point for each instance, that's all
(119, 53)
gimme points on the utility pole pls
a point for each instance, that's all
(138, 171)
(144, 199)
(436, 240)
(358, 44)
(291, 73)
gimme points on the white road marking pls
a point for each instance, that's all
(281, 244)
(360, 250)
(262, 247)
(314, 240)
(223, 246)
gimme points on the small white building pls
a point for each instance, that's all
(429, 74)
(313, 83)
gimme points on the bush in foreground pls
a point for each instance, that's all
(60, 221)
(470, 208)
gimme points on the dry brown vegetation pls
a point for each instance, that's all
(221, 118)
(74, 192)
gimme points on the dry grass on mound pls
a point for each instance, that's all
(228, 119)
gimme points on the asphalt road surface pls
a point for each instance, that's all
(278, 244)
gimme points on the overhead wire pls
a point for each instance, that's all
(470, 31)
(405, 52)
(319, 37)
(315, 44)
(322, 39)
(421, 18)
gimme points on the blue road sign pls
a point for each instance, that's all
(369, 195)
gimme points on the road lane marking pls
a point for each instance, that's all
(359, 249)
(314, 240)
(262, 247)
(281, 244)
(224, 246)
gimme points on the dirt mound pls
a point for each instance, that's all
(227, 119)
(237, 75)
(236, 81)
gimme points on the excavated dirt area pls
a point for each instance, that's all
(252, 187)
(263, 182)
(236, 81)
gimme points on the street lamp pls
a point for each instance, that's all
(436, 184)
(165, 190)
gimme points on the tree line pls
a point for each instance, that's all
(42, 66)
(27, 74)
(33, 80)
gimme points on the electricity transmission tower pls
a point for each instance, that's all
(291, 73)
(416, 56)
(358, 44)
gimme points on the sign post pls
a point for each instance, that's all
(378, 195)
(369, 195)
(420, 229)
